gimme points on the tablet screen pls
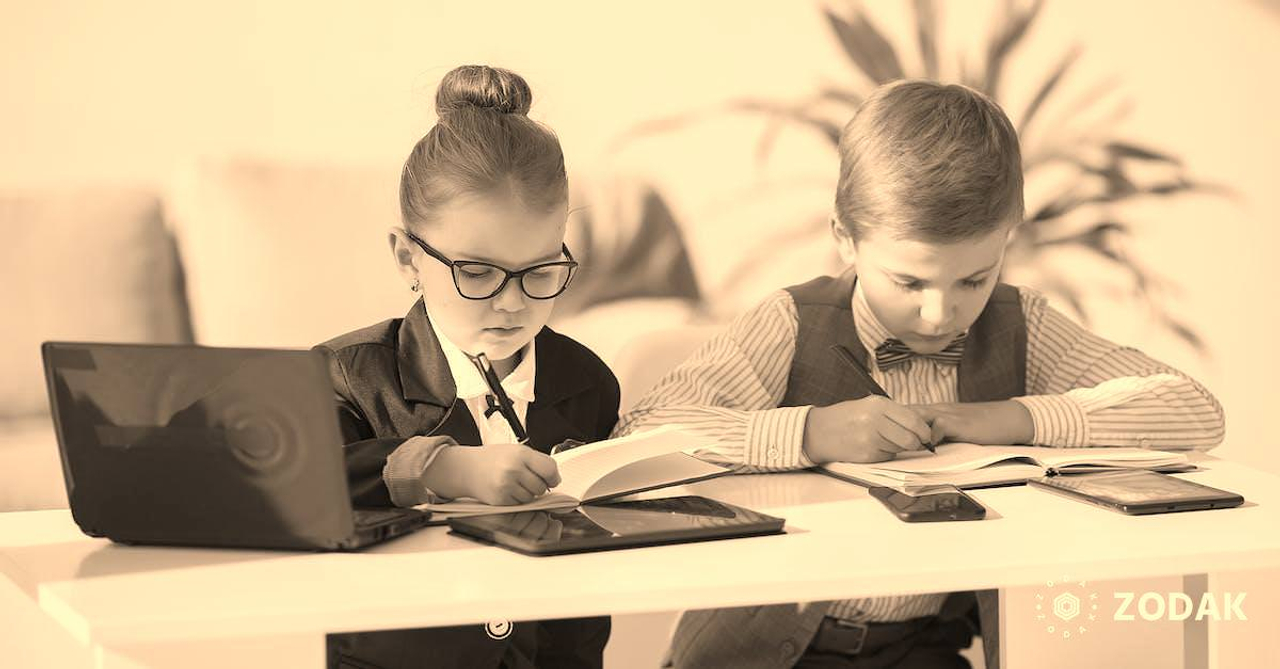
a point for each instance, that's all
(1139, 488)
(617, 524)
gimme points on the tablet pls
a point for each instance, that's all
(1139, 492)
(614, 525)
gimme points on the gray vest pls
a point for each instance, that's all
(993, 367)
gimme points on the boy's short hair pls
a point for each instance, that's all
(935, 162)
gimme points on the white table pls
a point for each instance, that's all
(135, 606)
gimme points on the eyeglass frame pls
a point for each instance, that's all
(455, 265)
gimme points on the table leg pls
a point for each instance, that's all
(1195, 633)
(1002, 618)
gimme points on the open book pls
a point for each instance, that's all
(605, 469)
(973, 466)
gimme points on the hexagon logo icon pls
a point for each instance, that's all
(1066, 606)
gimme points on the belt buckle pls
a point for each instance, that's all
(859, 633)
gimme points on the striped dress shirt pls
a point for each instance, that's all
(1082, 390)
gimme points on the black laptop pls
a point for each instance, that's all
(202, 446)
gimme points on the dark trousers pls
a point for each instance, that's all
(927, 644)
(572, 643)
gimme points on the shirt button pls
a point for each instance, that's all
(787, 649)
(1144, 443)
(773, 454)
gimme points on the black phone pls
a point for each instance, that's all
(929, 503)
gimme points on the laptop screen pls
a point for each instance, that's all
(195, 444)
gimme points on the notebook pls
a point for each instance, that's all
(973, 466)
(606, 469)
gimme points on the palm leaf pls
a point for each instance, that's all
(1047, 87)
(660, 125)
(798, 113)
(926, 12)
(1034, 155)
(866, 46)
(1128, 150)
(1182, 331)
(779, 114)
(1062, 206)
(1007, 36)
(1091, 237)
(842, 95)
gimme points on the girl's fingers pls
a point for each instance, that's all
(544, 467)
(531, 483)
(516, 495)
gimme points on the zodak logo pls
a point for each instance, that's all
(1066, 607)
(1179, 606)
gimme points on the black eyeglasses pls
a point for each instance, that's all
(477, 280)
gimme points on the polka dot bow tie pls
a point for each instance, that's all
(893, 352)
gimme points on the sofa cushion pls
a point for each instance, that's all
(88, 264)
(30, 467)
(280, 254)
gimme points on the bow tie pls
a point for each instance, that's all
(893, 352)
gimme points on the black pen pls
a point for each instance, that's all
(848, 356)
(505, 407)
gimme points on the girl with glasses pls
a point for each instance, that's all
(483, 202)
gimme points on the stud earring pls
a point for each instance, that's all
(415, 285)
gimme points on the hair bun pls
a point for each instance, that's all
(483, 87)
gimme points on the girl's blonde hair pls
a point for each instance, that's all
(483, 142)
(929, 161)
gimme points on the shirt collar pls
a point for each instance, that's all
(870, 331)
(468, 381)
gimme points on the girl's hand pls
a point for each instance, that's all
(498, 474)
(987, 423)
(871, 429)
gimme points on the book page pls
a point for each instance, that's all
(1108, 457)
(656, 472)
(949, 458)
(472, 507)
(999, 473)
(584, 466)
(952, 461)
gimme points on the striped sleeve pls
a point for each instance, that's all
(1086, 391)
(729, 390)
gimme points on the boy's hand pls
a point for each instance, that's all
(872, 429)
(498, 474)
(1006, 422)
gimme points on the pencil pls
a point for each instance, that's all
(845, 354)
(505, 407)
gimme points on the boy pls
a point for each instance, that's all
(930, 191)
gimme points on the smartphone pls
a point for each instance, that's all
(929, 503)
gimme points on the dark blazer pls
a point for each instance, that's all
(392, 382)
